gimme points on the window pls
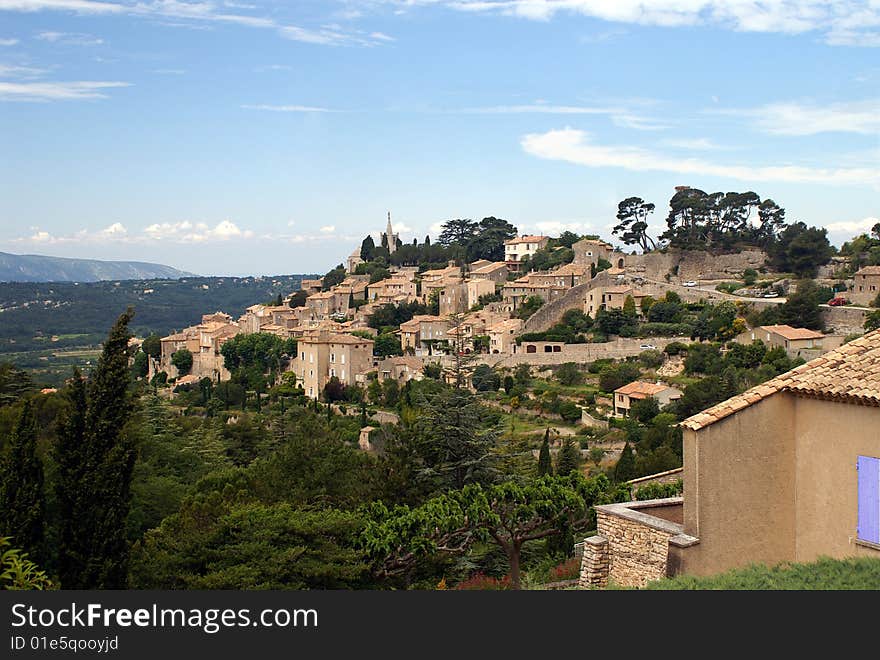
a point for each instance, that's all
(332, 357)
(343, 357)
(869, 499)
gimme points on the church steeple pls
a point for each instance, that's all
(390, 236)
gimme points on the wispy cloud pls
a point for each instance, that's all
(694, 144)
(16, 71)
(8, 42)
(287, 108)
(853, 226)
(794, 118)
(70, 38)
(170, 72)
(55, 91)
(843, 22)
(202, 12)
(574, 146)
(620, 116)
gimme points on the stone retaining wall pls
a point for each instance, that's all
(631, 547)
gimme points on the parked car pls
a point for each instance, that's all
(690, 283)
(838, 301)
(648, 347)
(770, 294)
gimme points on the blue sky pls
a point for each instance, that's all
(268, 137)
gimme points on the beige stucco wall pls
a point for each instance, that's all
(739, 488)
(830, 437)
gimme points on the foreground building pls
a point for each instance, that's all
(325, 354)
(640, 390)
(787, 471)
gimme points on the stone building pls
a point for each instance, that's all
(517, 249)
(640, 390)
(795, 341)
(325, 354)
(204, 342)
(502, 335)
(866, 285)
(788, 471)
(421, 334)
(491, 270)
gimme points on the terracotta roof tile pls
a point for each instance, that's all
(850, 373)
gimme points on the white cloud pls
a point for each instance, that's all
(116, 230)
(14, 71)
(620, 116)
(853, 227)
(694, 144)
(183, 231)
(328, 229)
(574, 146)
(844, 22)
(70, 38)
(199, 12)
(170, 72)
(8, 42)
(287, 108)
(556, 227)
(792, 118)
(55, 91)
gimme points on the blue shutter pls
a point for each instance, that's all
(869, 499)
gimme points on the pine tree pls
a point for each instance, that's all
(96, 460)
(626, 465)
(22, 500)
(569, 458)
(545, 466)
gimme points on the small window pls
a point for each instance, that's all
(869, 499)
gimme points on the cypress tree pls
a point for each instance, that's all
(545, 467)
(22, 500)
(626, 465)
(569, 458)
(95, 461)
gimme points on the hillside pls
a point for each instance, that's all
(40, 268)
(54, 315)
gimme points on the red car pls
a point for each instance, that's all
(837, 302)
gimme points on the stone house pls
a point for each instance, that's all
(312, 286)
(565, 276)
(422, 332)
(612, 297)
(204, 342)
(502, 335)
(588, 251)
(517, 249)
(514, 293)
(326, 354)
(492, 270)
(392, 290)
(866, 285)
(453, 296)
(640, 390)
(476, 288)
(795, 341)
(788, 471)
(400, 368)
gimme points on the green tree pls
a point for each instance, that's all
(17, 572)
(183, 360)
(485, 378)
(95, 460)
(334, 277)
(528, 307)
(569, 458)
(141, 366)
(801, 250)
(545, 466)
(508, 515)
(453, 439)
(569, 374)
(801, 309)
(872, 320)
(22, 500)
(152, 346)
(632, 227)
(386, 344)
(625, 469)
(644, 410)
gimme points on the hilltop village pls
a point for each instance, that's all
(488, 410)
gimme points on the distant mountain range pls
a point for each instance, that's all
(39, 268)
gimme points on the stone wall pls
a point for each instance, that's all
(694, 264)
(631, 547)
(550, 313)
(668, 477)
(581, 353)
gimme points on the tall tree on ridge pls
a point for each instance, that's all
(95, 463)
